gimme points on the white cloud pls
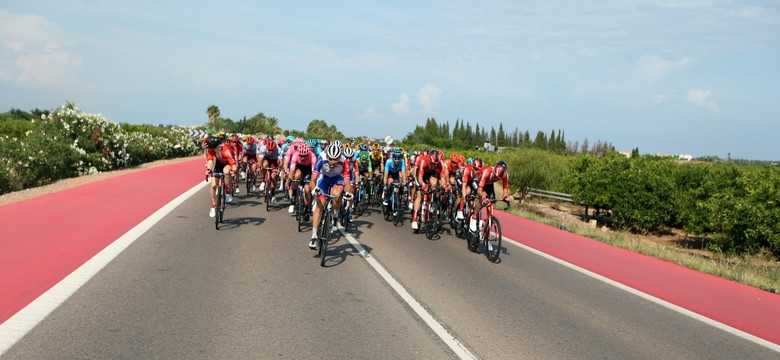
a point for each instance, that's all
(35, 50)
(368, 114)
(402, 106)
(701, 98)
(654, 67)
(758, 13)
(428, 96)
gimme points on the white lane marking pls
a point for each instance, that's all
(454, 344)
(16, 327)
(755, 339)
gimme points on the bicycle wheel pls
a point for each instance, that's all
(268, 196)
(395, 205)
(325, 236)
(218, 207)
(431, 221)
(472, 237)
(493, 236)
(299, 208)
(458, 228)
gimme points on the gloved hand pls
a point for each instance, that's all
(507, 198)
(348, 196)
(316, 191)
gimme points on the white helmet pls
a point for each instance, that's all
(333, 151)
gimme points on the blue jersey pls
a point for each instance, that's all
(391, 167)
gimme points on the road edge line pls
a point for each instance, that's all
(21, 323)
(714, 323)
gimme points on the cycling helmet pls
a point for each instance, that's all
(376, 146)
(270, 144)
(454, 157)
(332, 152)
(363, 156)
(477, 163)
(434, 156)
(213, 142)
(398, 155)
(363, 147)
(313, 142)
(348, 151)
(500, 169)
(324, 142)
(250, 140)
(290, 138)
(338, 143)
(303, 150)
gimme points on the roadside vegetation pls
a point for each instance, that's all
(730, 208)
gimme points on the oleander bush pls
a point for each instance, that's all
(69, 142)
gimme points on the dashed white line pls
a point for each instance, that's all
(452, 342)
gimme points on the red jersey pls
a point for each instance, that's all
(485, 176)
(425, 165)
(222, 153)
(452, 167)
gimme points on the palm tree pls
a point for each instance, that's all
(273, 125)
(213, 112)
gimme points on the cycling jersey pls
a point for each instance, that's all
(485, 176)
(223, 154)
(391, 167)
(250, 150)
(269, 155)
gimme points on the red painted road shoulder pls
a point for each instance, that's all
(46, 238)
(742, 307)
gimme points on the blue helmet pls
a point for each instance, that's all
(290, 138)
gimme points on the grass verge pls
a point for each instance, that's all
(760, 271)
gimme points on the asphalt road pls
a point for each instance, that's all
(254, 290)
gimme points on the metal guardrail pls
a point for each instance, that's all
(550, 194)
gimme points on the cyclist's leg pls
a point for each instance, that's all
(323, 186)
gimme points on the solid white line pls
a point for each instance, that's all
(454, 344)
(768, 344)
(16, 327)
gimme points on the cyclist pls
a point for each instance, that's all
(486, 177)
(301, 166)
(364, 167)
(330, 175)
(377, 160)
(219, 159)
(395, 169)
(269, 158)
(466, 180)
(429, 170)
(453, 164)
(238, 150)
(250, 156)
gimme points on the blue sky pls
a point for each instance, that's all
(698, 77)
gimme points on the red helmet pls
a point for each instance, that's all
(235, 138)
(250, 140)
(270, 144)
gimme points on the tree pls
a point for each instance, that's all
(213, 113)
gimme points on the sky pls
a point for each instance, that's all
(699, 77)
